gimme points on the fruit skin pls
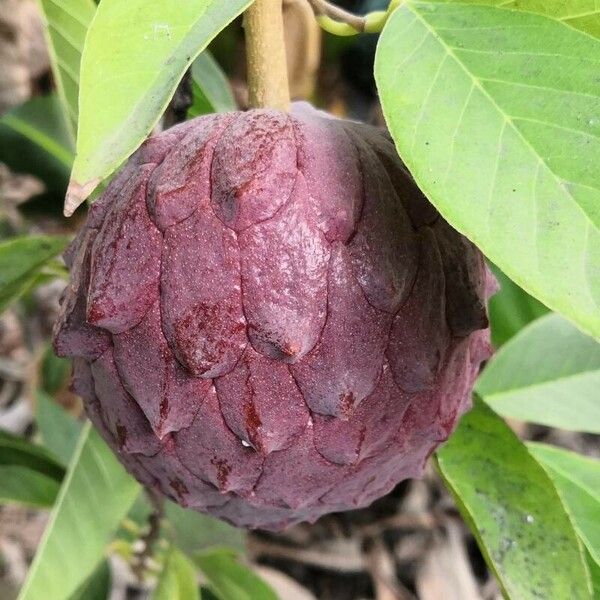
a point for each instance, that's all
(268, 320)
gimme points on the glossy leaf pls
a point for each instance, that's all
(21, 259)
(135, 55)
(230, 579)
(514, 510)
(22, 485)
(58, 429)
(178, 579)
(16, 451)
(94, 497)
(211, 91)
(503, 136)
(67, 22)
(548, 374)
(511, 309)
(577, 479)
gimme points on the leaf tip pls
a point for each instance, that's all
(77, 194)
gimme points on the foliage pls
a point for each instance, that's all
(67, 26)
(502, 136)
(513, 507)
(577, 480)
(58, 430)
(126, 83)
(22, 260)
(549, 374)
(94, 497)
(178, 578)
(230, 579)
(210, 88)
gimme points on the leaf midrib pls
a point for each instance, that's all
(135, 109)
(413, 7)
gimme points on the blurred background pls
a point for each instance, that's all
(410, 544)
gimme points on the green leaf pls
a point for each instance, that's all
(178, 580)
(579, 14)
(40, 121)
(511, 309)
(577, 479)
(59, 430)
(514, 510)
(34, 139)
(548, 374)
(135, 54)
(97, 586)
(503, 136)
(25, 486)
(210, 87)
(94, 497)
(194, 531)
(594, 569)
(67, 22)
(230, 579)
(21, 259)
(17, 451)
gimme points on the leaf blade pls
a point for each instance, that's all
(210, 88)
(34, 139)
(516, 513)
(22, 485)
(59, 430)
(178, 580)
(498, 162)
(151, 47)
(17, 451)
(548, 374)
(511, 309)
(577, 479)
(231, 579)
(21, 259)
(67, 22)
(82, 521)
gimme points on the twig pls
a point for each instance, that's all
(149, 540)
(338, 21)
(326, 9)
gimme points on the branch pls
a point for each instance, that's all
(323, 8)
(338, 21)
(150, 538)
(265, 52)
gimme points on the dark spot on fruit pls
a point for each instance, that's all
(179, 487)
(121, 435)
(223, 470)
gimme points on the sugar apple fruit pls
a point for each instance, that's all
(268, 321)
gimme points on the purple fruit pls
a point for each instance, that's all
(268, 320)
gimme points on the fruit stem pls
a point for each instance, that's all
(268, 85)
